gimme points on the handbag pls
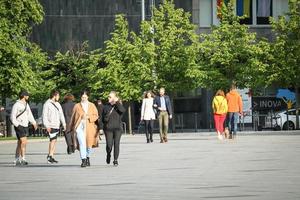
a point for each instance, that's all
(106, 117)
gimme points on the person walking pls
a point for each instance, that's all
(235, 108)
(220, 108)
(2, 119)
(162, 103)
(83, 128)
(67, 108)
(20, 117)
(148, 115)
(99, 105)
(112, 123)
(53, 117)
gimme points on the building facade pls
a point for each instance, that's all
(68, 23)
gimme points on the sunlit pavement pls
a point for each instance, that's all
(189, 166)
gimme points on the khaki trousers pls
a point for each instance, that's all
(163, 124)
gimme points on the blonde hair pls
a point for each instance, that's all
(220, 93)
(116, 94)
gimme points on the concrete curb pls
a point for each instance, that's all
(244, 133)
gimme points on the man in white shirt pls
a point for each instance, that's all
(20, 117)
(53, 117)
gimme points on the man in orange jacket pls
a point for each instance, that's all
(235, 107)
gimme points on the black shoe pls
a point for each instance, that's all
(116, 163)
(148, 141)
(151, 140)
(108, 159)
(69, 150)
(53, 160)
(49, 159)
(24, 162)
(83, 164)
(88, 164)
(73, 149)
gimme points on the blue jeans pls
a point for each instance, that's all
(81, 137)
(233, 118)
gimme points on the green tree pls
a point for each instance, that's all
(285, 68)
(129, 59)
(20, 60)
(232, 54)
(71, 72)
(176, 48)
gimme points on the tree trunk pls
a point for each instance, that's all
(129, 119)
(297, 107)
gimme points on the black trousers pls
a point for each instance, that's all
(69, 141)
(113, 138)
(149, 128)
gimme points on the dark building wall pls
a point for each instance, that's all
(68, 23)
(71, 22)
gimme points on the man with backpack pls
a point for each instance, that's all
(20, 117)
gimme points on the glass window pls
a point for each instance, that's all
(264, 11)
(205, 12)
(280, 7)
(292, 112)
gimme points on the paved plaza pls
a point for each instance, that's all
(190, 166)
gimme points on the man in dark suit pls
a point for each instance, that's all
(162, 104)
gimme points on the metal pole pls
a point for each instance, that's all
(196, 127)
(152, 7)
(143, 10)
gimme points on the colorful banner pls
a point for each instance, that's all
(220, 4)
(247, 4)
(240, 7)
(243, 7)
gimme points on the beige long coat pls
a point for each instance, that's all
(91, 128)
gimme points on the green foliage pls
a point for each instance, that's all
(129, 60)
(176, 48)
(71, 72)
(232, 54)
(285, 68)
(20, 60)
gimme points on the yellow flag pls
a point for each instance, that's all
(247, 8)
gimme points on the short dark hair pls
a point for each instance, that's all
(69, 97)
(233, 86)
(23, 93)
(53, 93)
(146, 94)
(85, 91)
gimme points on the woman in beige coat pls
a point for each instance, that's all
(83, 127)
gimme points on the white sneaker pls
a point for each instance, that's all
(17, 162)
(220, 137)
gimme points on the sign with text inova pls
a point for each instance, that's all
(247, 104)
(268, 103)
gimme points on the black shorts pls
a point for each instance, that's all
(21, 131)
(53, 130)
